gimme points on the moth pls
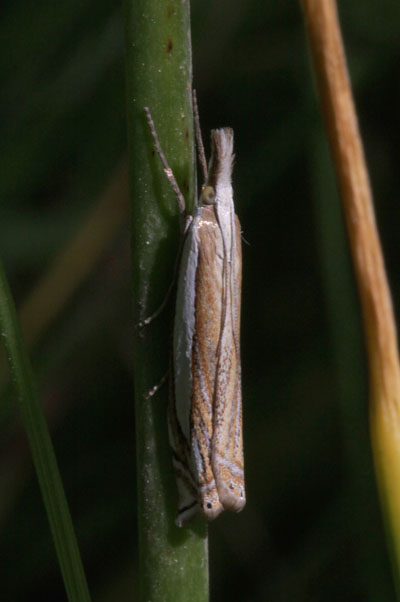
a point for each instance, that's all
(205, 410)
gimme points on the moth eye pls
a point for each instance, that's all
(208, 195)
(209, 505)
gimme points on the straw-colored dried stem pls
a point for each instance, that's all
(379, 324)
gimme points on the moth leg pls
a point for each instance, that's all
(160, 308)
(182, 209)
(167, 170)
(156, 313)
(188, 505)
(188, 221)
(157, 387)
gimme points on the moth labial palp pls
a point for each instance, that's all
(205, 410)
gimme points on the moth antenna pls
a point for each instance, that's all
(199, 139)
(167, 170)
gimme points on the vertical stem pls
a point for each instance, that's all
(173, 562)
(379, 324)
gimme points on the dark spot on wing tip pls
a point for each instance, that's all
(169, 47)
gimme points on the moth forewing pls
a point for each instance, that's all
(227, 446)
(205, 419)
(194, 374)
(208, 311)
(179, 415)
(227, 449)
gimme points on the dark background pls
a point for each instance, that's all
(311, 530)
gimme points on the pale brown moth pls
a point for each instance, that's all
(205, 414)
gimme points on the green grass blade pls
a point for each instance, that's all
(42, 449)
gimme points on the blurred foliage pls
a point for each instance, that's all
(312, 528)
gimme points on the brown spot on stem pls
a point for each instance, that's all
(169, 47)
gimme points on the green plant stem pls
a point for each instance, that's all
(42, 450)
(173, 562)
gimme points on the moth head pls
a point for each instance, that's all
(207, 195)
